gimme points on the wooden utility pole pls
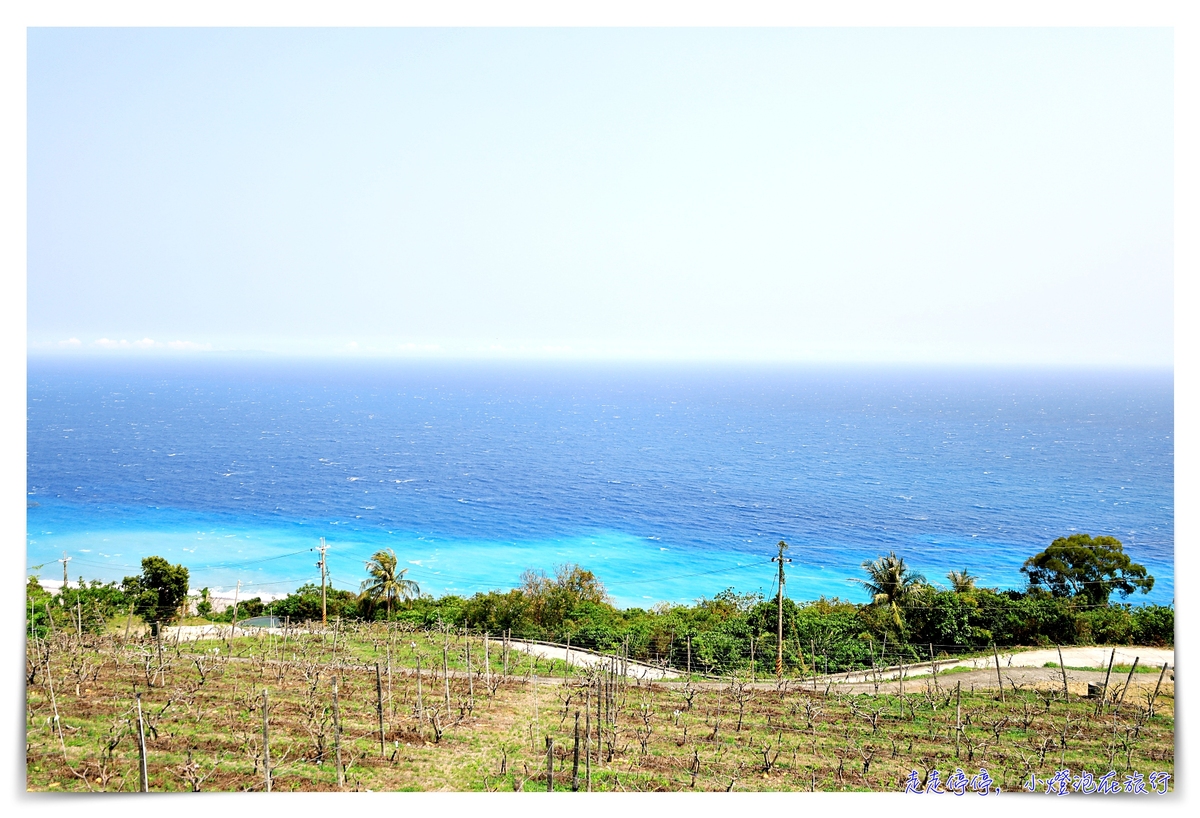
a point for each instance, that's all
(65, 559)
(322, 547)
(781, 559)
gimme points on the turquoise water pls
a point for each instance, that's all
(669, 483)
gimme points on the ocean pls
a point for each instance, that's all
(670, 482)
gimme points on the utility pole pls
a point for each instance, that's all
(321, 565)
(65, 560)
(781, 559)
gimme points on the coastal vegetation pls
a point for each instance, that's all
(906, 619)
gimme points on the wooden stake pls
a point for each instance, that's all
(62, 742)
(420, 703)
(587, 731)
(391, 701)
(957, 715)
(751, 658)
(379, 706)
(575, 762)
(1128, 680)
(144, 775)
(337, 739)
(1000, 681)
(1104, 692)
(266, 743)
(1062, 665)
(549, 764)
(470, 678)
(446, 672)
(689, 641)
(933, 662)
(1153, 698)
(233, 621)
(158, 639)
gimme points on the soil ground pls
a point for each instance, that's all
(465, 725)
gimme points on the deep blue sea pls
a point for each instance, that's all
(670, 482)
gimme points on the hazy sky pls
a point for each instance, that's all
(984, 195)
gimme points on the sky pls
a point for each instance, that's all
(991, 196)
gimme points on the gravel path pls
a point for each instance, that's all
(583, 658)
(1090, 657)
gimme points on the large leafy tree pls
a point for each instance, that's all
(385, 582)
(159, 591)
(552, 600)
(1090, 568)
(890, 582)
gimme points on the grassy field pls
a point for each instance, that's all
(202, 715)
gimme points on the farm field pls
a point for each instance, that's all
(482, 716)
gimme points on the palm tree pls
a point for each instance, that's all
(386, 582)
(891, 581)
(961, 581)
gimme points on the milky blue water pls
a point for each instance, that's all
(671, 483)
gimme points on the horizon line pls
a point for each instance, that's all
(463, 357)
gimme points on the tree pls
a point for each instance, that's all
(385, 582)
(551, 601)
(961, 581)
(159, 591)
(1088, 568)
(891, 582)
